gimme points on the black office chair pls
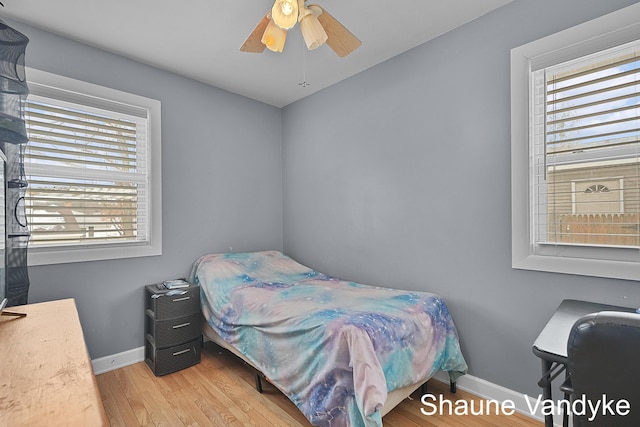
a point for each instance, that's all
(604, 364)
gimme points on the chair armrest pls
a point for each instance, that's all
(566, 387)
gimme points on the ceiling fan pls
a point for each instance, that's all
(316, 24)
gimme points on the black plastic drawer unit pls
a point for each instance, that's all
(173, 337)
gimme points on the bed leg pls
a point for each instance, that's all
(452, 387)
(258, 382)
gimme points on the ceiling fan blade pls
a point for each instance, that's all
(253, 43)
(341, 40)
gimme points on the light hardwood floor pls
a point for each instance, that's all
(220, 391)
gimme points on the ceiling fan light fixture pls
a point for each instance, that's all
(316, 25)
(312, 31)
(274, 37)
(285, 13)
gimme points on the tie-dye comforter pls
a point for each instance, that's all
(333, 347)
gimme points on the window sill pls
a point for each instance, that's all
(579, 266)
(46, 256)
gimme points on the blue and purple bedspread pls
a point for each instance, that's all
(335, 348)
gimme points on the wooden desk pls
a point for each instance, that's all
(46, 377)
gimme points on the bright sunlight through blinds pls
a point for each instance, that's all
(587, 132)
(86, 169)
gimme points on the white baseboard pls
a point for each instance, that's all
(119, 360)
(481, 388)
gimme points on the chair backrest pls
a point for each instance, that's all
(604, 364)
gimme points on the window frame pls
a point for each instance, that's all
(610, 30)
(47, 84)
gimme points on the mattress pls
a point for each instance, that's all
(335, 348)
(394, 397)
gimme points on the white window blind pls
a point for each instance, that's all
(93, 167)
(87, 174)
(574, 149)
(586, 151)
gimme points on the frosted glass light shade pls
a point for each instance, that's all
(312, 32)
(274, 37)
(285, 13)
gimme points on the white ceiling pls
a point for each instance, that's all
(200, 39)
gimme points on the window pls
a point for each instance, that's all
(606, 198)
(93, 168)
(576, 149)
(597, 188)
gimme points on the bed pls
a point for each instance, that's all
(344, 353)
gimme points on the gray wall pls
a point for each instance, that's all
(221, 185)
(400, 176)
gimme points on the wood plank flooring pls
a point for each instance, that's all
(220, 391)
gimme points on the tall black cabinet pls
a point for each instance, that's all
(13, 140)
